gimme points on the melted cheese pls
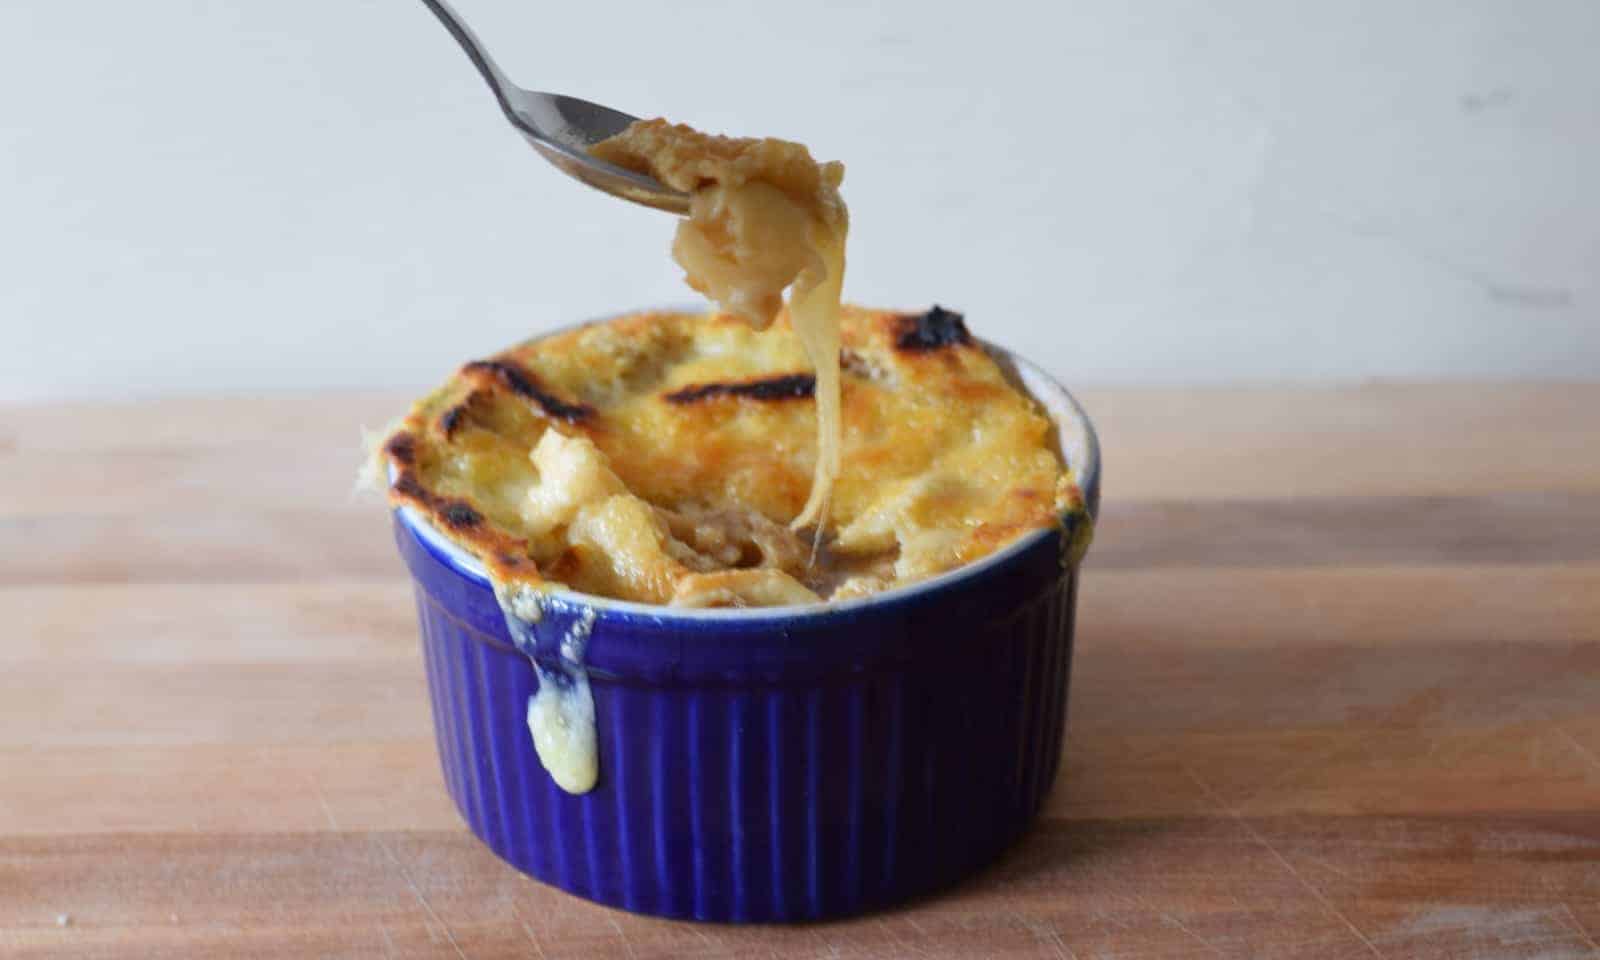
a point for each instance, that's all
(560, 713)
(814, 308)
(763, 215)
(561, 722)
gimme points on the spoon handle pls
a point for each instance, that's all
(476, 53)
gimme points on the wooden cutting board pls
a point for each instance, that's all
(1337, 694)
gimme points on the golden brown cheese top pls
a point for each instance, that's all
(658, 458)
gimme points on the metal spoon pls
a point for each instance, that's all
(563, 128)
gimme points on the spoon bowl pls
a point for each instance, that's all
(562, 128)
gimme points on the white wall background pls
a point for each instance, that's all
(248, 195)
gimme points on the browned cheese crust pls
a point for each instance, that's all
(701, 445)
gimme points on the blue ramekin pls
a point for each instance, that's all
(773, 764)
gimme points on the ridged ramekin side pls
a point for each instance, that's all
(795, 798)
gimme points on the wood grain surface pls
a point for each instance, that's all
(1337, 694)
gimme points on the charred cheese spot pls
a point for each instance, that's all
(451, 419)
(402, 449)
(932, 330)
(791, 386)
(524, 384)
(407, 486)
(461, 515)
(457, 514)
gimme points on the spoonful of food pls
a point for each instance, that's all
(563, 128)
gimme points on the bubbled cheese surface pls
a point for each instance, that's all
(659, 458)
